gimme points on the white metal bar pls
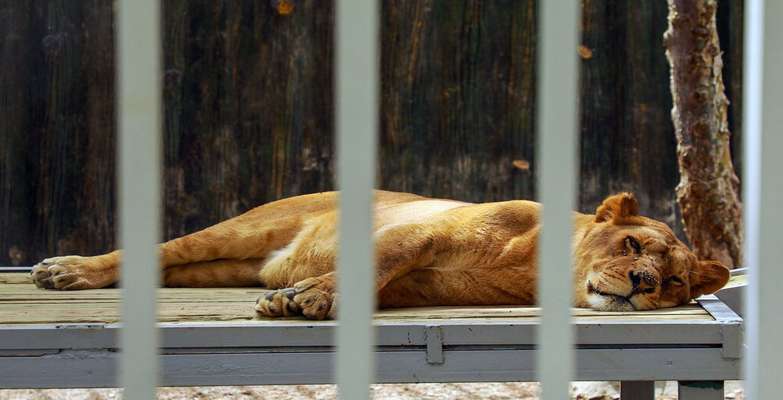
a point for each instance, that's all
(139, 48)
(357, 122)
(557, 93)
(763, 194)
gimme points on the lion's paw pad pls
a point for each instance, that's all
(278, 303)
(310, 301)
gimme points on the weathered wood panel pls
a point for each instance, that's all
(730, 18)
(628, 141)
(57, 128)
(248, 117)
(15, 100)
(248, 109)
(458, 98)
(627, 136)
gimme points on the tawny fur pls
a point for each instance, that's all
(428, 252)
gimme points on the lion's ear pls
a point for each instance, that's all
(617, 207)
(707, 277)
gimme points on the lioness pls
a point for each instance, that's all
(428, 252)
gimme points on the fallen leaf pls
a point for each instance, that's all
(585, 52)
(524, 165)
(285, 7)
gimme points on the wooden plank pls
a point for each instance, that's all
(22, 303)
(106, 312)
(526, 311)
(96, 368)
(14, 278)
(228, 311)
(286, 333)
(165, 295)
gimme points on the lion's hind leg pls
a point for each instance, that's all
(217, 273)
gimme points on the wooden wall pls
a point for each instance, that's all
(248, 109)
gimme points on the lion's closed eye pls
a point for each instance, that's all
(633, 245)
(675, 281)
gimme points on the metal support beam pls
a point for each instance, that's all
(139, 99)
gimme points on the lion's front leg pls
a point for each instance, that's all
(398, 250)
(315, 298)
(77, 272)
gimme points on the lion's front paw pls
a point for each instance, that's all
(279, 303)
(315, 298)
(72, 273)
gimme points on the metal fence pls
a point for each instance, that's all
(763, 195)
(357, 120)
(139, 46)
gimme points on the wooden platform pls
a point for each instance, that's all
(22, 303)
(213, 337)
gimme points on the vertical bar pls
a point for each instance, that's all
(357, 122)
(139, 49)
(557, 95)
(763, 194)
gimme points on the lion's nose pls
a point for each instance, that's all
(642, 281)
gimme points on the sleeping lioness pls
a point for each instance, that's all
(428, 252)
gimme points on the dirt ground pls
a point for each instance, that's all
(423, 391)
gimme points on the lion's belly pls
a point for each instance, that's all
(465, 275)
(446, 287)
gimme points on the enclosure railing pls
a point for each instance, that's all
(357, 121)
(139, 76)
(139, 47)
(763, 195)
(556, 138)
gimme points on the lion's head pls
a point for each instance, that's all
(628, 262)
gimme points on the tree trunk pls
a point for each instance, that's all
(708, 189)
